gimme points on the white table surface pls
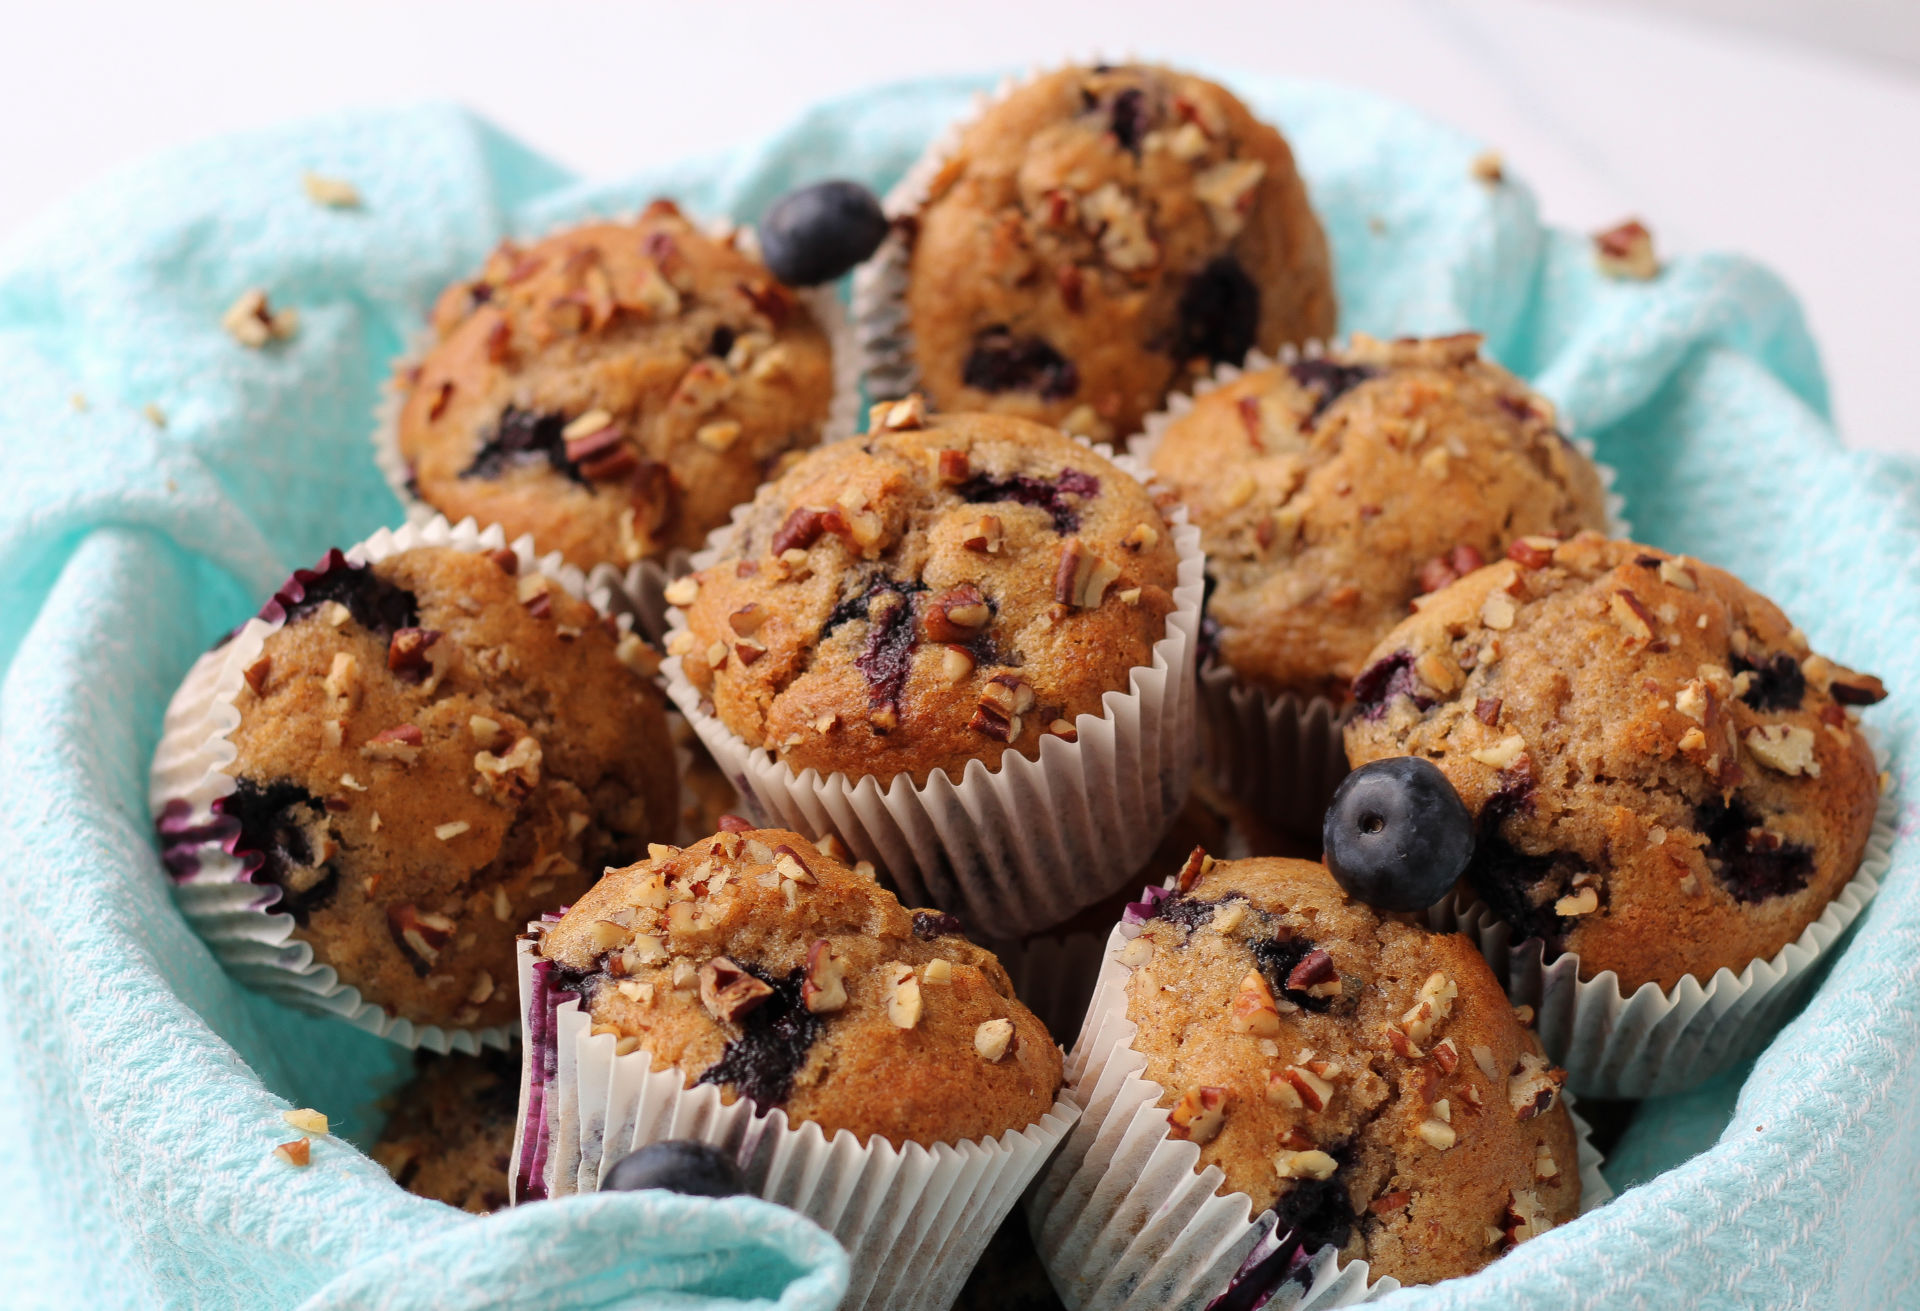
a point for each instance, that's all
(1718, 138)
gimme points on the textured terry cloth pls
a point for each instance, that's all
(141, 1089)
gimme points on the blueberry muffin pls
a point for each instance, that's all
(948, 589)
(613, 390)
(753, 961)
(450, 1136)
(1363, 1077)
(1665, 778)
(431, 751)
(1332, 492)
(1102, 236)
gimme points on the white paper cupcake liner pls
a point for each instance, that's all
(231, 913)
(1664, 1041)
(913, 1219)
(1016, 849)
(643, 583)
(1281, 753)
(1124, 1221)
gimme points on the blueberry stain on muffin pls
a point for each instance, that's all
(371, 601)
(283, 839)
(776, 1033)
(522, 437)
(1777, 682)
(1061, 496)
(1751, 862)
(1384, 681)
(1219, 314)
(1000, 362)
(1328, 380)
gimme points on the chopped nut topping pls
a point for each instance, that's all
(956, 662)
(727, 991)
(1198, 863)
(1312, 1164)
(402, 742)
(1120, 228)
(992, 1039)
(1253, 1010)
(1502, 754)
(747, 620)
(343, 678)
(824, 989)
(1446, 1056)
(334, 193)
(1488, 167)
(1787, 748)
(605, 935)
(1581, 901)
(1532, 552)
(1064, 728)
(682, 591)
(448, 832)
(1526, 1217)
(1199, 1114)
(1497, 611)
(1315, 975)
(1532, 1086)
(1308, 1089)
(1437, 1134)
(297, 1152)
(685, 976)
(1141, 537)
(985, 535)
(485, 730)
(253, 323)
(952, 466)
(482, 988)
(1626, 251)
(306, 1120)
(1134, 952)
(1544, 1166)
(1227, 190)
(903, 1004)
(939, 970)
(1676, 574)
(645, 949)
(720, 435)
(1082, 578)
(421, 932)
(956, 615)
(1431, 1009)
(1483, 1057)
(1631, 614)
(509, 777)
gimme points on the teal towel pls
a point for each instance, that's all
(141, 1089)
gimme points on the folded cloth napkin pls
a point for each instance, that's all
(157, 479)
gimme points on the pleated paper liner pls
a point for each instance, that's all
(913, 1219)
(1659, 1041)
(1278, 751)
(1015, 849)
(642, 584)
(234, 915)
(1125, 1222)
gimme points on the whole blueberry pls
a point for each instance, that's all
(679, 1165)
(814, 234)
(1397, 835)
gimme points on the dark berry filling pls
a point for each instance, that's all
(1130, 119)
(373, 602)
(1518, 886)
(1310, 1215)
(1219, 313)
(275, 842)
(1328, 380)
(931, 924)
(1383, 680)
(887, 654)
(1277, 958)
(1043, 493)
(1752, 863)
(721, 343)
(523, 437)
(775, 1037)
(1777, 683)
(1188, 912)
(1002, 362)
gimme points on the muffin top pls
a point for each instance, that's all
(945, 590)
(1363, 1077)
(1332, 491)
(614, 390)
(433, 750)
(450, 1136)
(1101, 236)
(754, 961)
(1665, 778)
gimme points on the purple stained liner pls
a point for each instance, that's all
(543, 1047)
(1147, 908)
(1276, 1260)
(294, 590)
(181, 838)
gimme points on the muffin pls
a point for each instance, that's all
(1666, 780)
(450, 1135)
(752, 975)
(1359, 1077)
(430, 749)
(950, 589)
(1332, 491)
(1101, 236)
(614, 389)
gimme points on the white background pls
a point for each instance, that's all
(1785, 129)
